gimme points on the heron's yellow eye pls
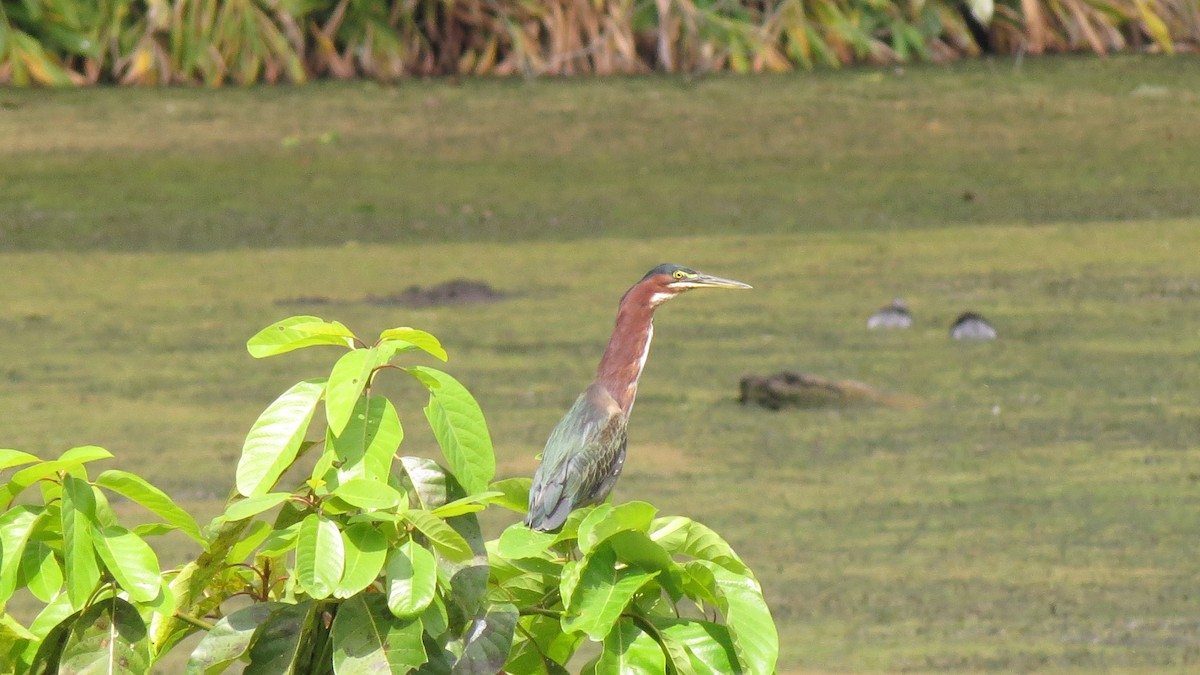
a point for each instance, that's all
(678, 274)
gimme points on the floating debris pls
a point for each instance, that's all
(798, 390)
(972, 326)
(895, 315)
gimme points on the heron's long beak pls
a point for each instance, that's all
(702, 280)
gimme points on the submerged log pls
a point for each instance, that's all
(800, 390)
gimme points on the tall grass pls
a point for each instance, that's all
(147, 42)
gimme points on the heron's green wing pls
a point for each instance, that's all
(580, 454)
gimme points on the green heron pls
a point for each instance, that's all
(586, 450)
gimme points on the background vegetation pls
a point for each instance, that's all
(1036, 513)
(63, 42)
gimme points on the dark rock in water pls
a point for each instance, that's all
(972, 326)
(895, 315)
(456, 292)
(798, 390)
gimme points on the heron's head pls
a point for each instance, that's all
(666, 281)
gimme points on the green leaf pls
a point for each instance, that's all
(458, 507)
(631, 651)
(518, 541)
(368, 639)
(682, 536)
(514, 493)
(280, 541)
(10, 458)
(252, 506)
(411, 338)
(489, 639)
(607, 520)
(82, 455)
(429, 481)
(69, 460)
(40, 570)
(459, 427)
(350, 375)
(542, 647)
(79, 554)
(444, 538)
(411, 576)
(106, 634)
(366, 552)
(747, 617)
(16, 524)
(371, 495)
(319, 556)
(708, 645)
(602, 593)
(252, 538)
(636, 548)
(137, 489)
(294, 333)
(229, 639)
(275, 438)
(130, 560)
(277, 644)
(366, 446)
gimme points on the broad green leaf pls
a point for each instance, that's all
(444, 538)
(458, 507)
(366, 551)
(606, 520)
(82, 455)
(40, 570)
(747, 617)
(137, 489)
(489, 639)
(602, 593)
(629, 650)
(431, 483)
(277, 644)
(256, 533)
(108, 633)
(366, 446)
(459, 427)
(280, 541)
(294, 333)
(229, 639)
(275, 438)
(414, 339)
(130, 560)
(153, 529)
(70, 460)
(10, 458)
(79, 554)
(468, 589)
(350, 375)
(708, 645)
(53, 614)
(518, 541)
(411, 577)
(682, 536)
(636, 548)
(319, 556)
(541, 647)
(514, 493)
(367, 494)
(252, 506)
(367, 639)
(16, 524)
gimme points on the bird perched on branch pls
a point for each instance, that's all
(586, 450)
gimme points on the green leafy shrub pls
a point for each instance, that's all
(374, 563)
